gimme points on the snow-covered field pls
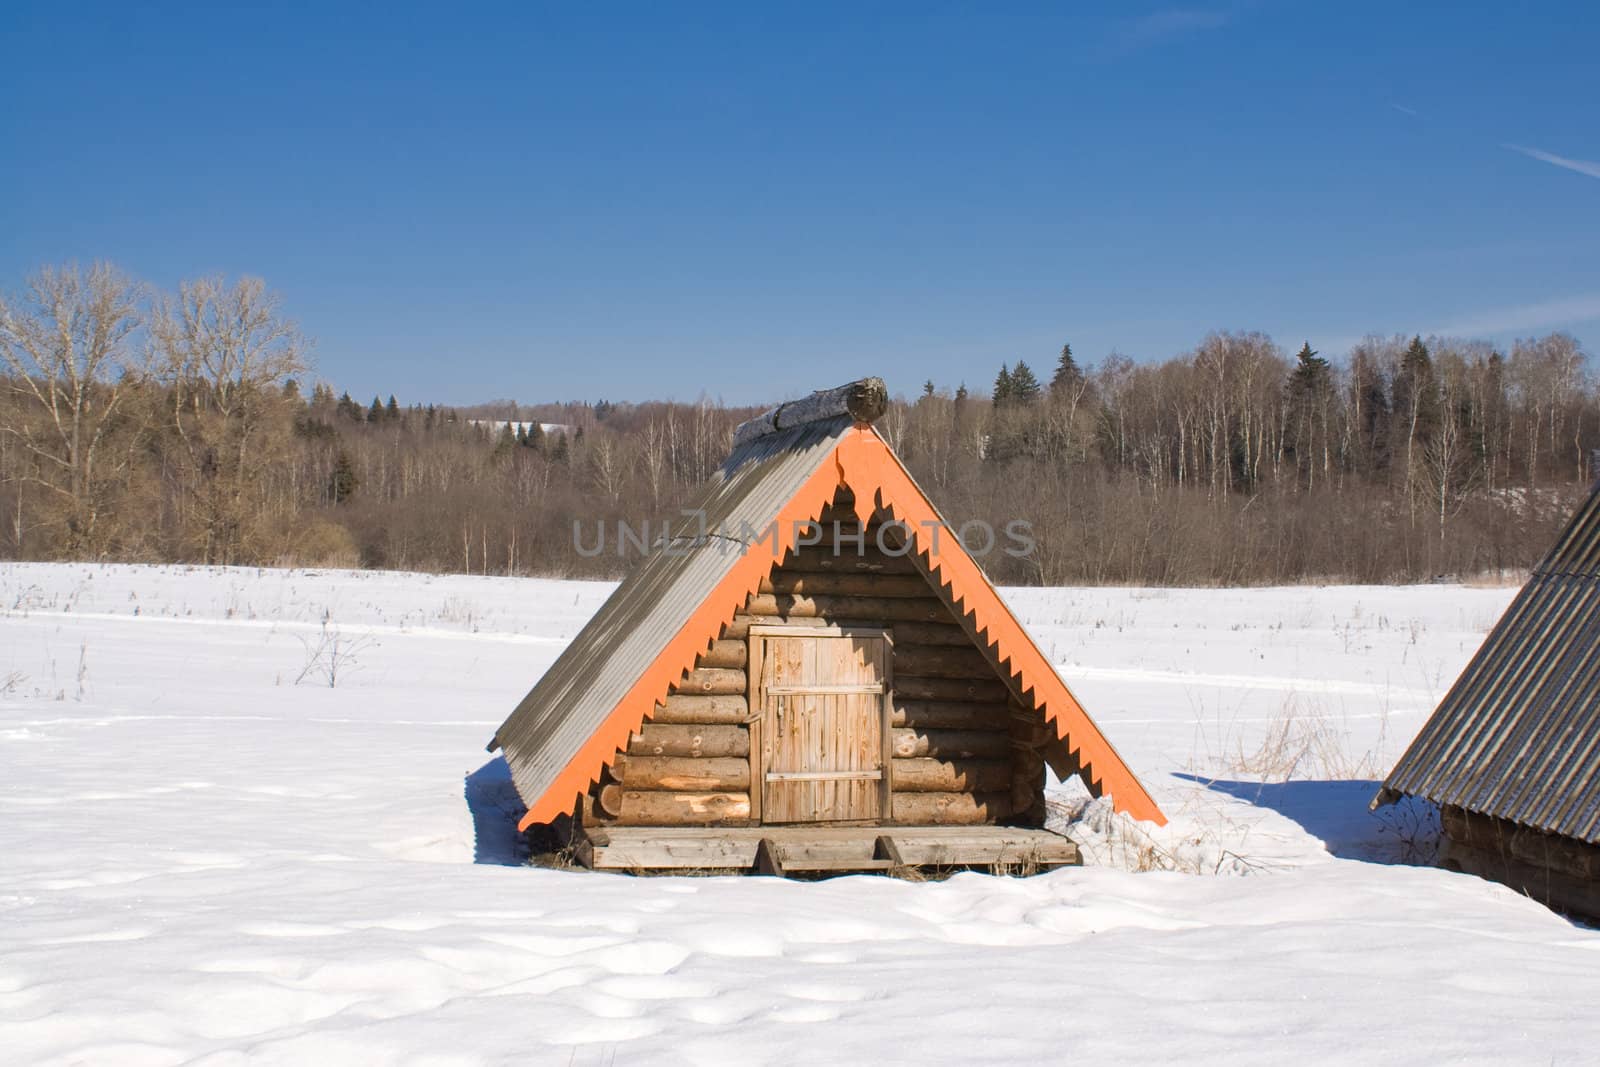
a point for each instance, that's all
(203, 861)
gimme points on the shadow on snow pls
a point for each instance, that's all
(496, 809)
(1337, 814)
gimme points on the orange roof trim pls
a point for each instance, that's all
(865, 463)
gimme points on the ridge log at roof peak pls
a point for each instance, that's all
(865, 400)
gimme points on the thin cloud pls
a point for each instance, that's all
(1159, 26)
(1582, 166)
(1543, 315)
(1404, 110)
(1522, 318)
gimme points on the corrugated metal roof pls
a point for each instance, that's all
(1518, 735)
(633, 627)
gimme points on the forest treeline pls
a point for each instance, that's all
(188, 426)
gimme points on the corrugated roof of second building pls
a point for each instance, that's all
(1518, 735)
(633, 628)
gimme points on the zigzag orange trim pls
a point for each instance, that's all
(863, 461)
(876, 474)
(583, 769)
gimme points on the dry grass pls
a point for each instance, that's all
(1306, 744)
(1301, 740)
(1025, 865)
(1411, 832)
(1110, 839)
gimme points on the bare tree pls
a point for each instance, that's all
(67, 345)
(225, 351)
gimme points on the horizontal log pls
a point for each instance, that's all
(942, 661)
(712, 680)
(948, 715)
(739, 628)
(847, 560)
(884, 609)
(683, 774)
(609, 799)
(642, 807)
(931, 633)
(725, 654)
(945, 809)
(707, 710)
(950, 776)
(799, 583)
(659, 739)
(951, 744)
(865, 401)
(986, 691)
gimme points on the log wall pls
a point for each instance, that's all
(962, 749)
(1562, 873)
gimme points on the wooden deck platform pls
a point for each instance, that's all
(785, 850)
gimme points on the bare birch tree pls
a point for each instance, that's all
(68, 347)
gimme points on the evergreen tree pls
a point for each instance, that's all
(375, 412)
(560, 450)
(505, 442)
(1067, 376)
(1416, 393)
(1002, 387)
(1307, 394)
(1311, 376)
(958, 410)
(342, 486)
(1025, 387)
(522, 434)
(348, 408)
(535, 439)
(391, 410)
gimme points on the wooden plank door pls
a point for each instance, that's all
(821, 699)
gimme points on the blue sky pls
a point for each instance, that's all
(574, 202)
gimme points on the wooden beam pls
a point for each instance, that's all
(684, 774)
(822, 583)
(942, 661)
(878, 609)
(657, 739)
(935, 809)
(865, 401)
(657, 808)
(907, 743)
(734, 847)
(974, 690)
(947, 715)
(952, 776)
(727, 654)
(715, 709)
(712, 680)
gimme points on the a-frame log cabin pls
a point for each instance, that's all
(812, 674)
